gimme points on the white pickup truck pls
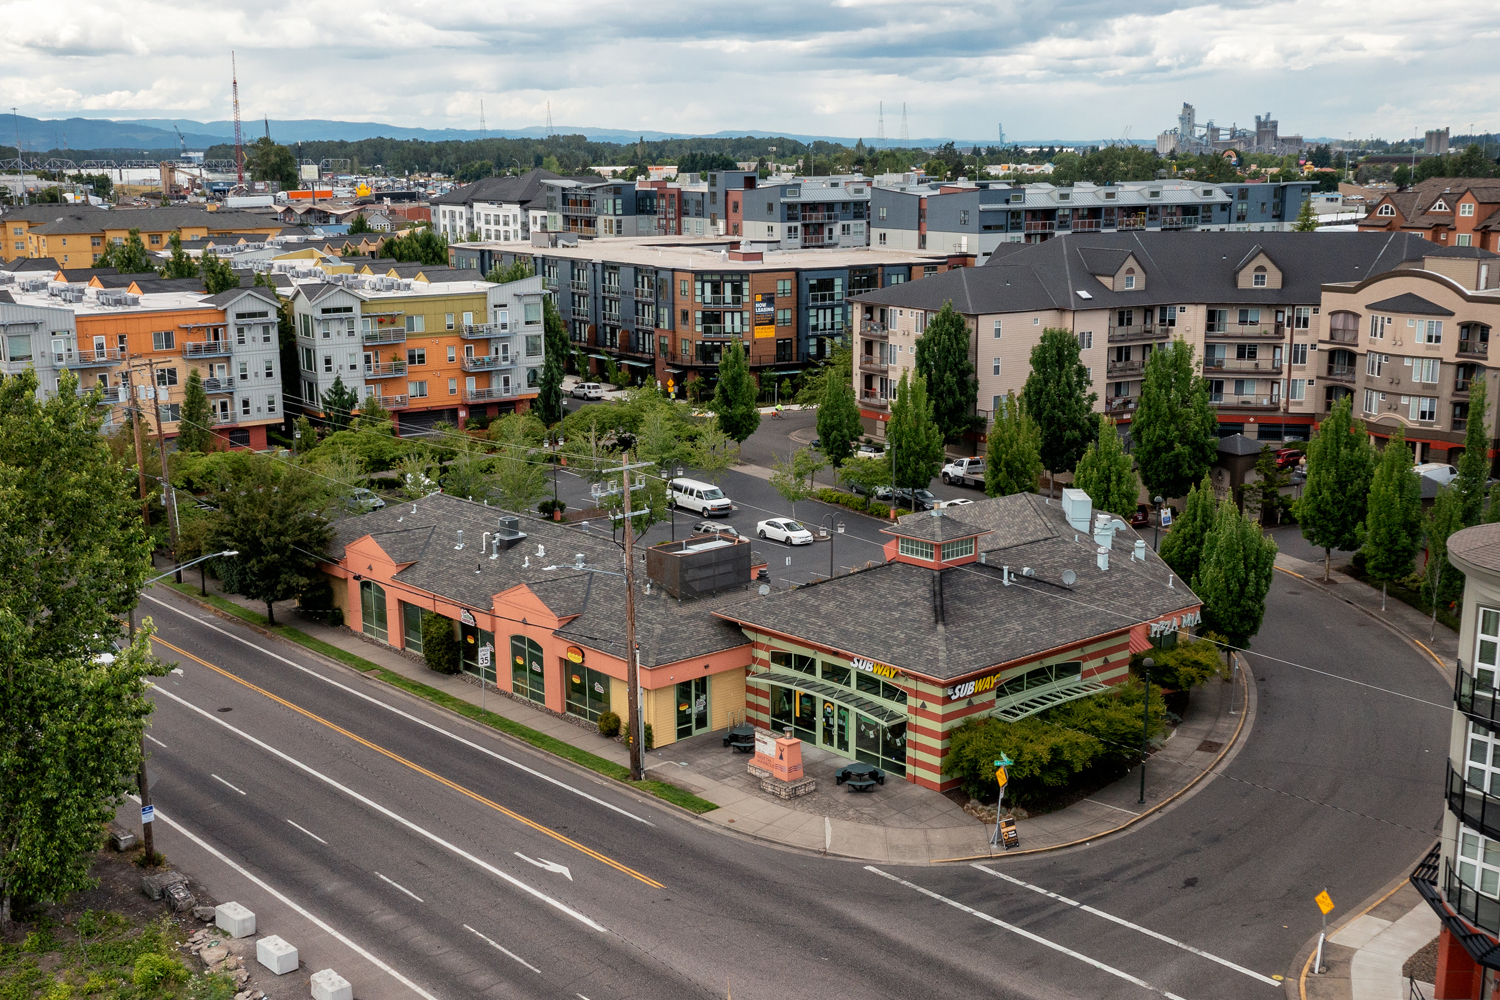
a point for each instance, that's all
(965, 472)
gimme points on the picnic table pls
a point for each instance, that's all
(859, 776)
(741, 737)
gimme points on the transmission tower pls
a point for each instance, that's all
(481, 116)
(905, 136)
(1001, 127)
(549, 119)
(880, 125)
(239, 136)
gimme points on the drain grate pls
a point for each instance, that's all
(1210, 746)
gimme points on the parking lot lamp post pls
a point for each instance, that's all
(824, 530)
(1146, 666)
(1156, 535)
(671, 506)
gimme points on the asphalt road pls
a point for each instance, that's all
(411, 842)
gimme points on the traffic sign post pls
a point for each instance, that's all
(1002, 778)
(1325, 904)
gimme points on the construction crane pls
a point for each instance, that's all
(239, 136)
(181, 140)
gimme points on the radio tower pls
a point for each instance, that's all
(880, 125)
(549, 119)
(239, 136)
(481, 116)
(905, 138)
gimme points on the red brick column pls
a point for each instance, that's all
(1459, 977)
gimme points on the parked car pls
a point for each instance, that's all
(363, 500)
(965, 472)
(705, 499)
(1142, 516)
(714, 528)
(922, 500)
(1289, 458)
(781, 529)
(1439, 471)
(945, 504)
(588, 390)
(869, 451)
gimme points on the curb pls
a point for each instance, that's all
(1402, 633)
(1154, 810)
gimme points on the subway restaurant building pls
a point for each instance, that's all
(1007, 608)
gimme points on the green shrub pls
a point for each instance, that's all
(609, 725)
(39, 941)
(439, 644)
(59, 990)
(153, 970)
(878, 510)
(1185, 665)
(650, 738)
(211, 986)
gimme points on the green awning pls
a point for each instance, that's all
(640, 364)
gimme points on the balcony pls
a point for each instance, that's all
(396, 402)
(872, 398)
(1268, 365)
(1041, 226)
(724, 301)
(1479, 702)
(1249, 332)
(1341, 337)
(482, 331)
(1121, 404)
(225, 417)
(1087, 225)
(877, 330)
(491, 392)
(579, 286)
(212, 385)
(86, 359)
(1473, 349)
(1460, 907)
(397, 336)
(1125, 367)
(1474, 807)
(1462, 386)
(385, 369)
(870, 363)
(1132, 334)
(1183, 223)
(1136, 222)
(1245, 402)
(1340, 373)
(488, 362)
(207, 349)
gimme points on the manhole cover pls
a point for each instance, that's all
(1210, 746)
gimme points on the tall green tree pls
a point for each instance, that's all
(1474, 463)
(793, 479)
(75, 554)
(734, 396)
(1107, 474)
(549, 399)
(1307, 219)
(1059, 398)
(1340, 463)
(273, 515)
(359, 225)
(913, 439)
(128, 257)
(714, 451)
(942, 359)
(1263, 498)
(339, 403)
(1011, 460)
(418, 246)
(1442, 582)
(1234, 575)
(218, 274)
(1174, 428)
(1182, 548)
(268, 161)
(179, 265)
(1393, 519)
(838, 420)
(196, 433)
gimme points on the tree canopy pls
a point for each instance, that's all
(1340, 462)
(1234, 575)
(1107, 474)
(1174, 428)
(838, 420)
(942, 359)
(1012, 463)
(268, 161)
(1060, 399)
(549, 399)
(914, 441)
(127, 257)
(1393, 519)
(734, 396)
(1182, 548)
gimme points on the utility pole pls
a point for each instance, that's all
(147, 844)
(632, 664)
(140, 456)
(168, 499)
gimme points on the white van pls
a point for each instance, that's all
(704, 498)
(588, 390)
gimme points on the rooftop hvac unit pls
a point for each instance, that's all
(32, 284)
(6, 278)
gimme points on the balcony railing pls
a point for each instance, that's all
(869, 397)
(1477, 701)
(385, 369)
(1473, 349)
(1245, 402)
(1459, 907)
(205, 348)
(1126, 367)
(397, 336)
(1129, 334)
(1138, 222)
(1248, 332)
(1342, 336)
(1041, 226)
(88, 358)
(1241, 365)
(1475, 808)
(1341, 373)
(1121, 404)
(218, 385)
(481, 331)
(1185, 223)
(391, 402)
(873, 365)
(491, 392)
(489, 362)
(225, 417)
(879, 331)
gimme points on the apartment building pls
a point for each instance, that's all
(979, 216)
(75, 235)
(429, 351)
(141, 347)
(667, 307)
(1452, 211)
(1252, 305)
(804, 214)
(495, 208)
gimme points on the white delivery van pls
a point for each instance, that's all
(705, 499)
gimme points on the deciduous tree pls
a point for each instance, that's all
(1474, 463)
(1012, 463)
(793, 478)
(218, 275)
(1107, 474)
(714, 452)
(1059, 399)
(734, 397)
(268, 161)
(915, 443)
(942, 359)
(1182, 548)
(838, 420)
(179, 265)
(128, 257)
(1393, 519)
(518, 269)
(1175, 431)
(1234, 575)
(1340, 462)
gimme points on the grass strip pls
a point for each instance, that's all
(1411, 598)
(550, 744)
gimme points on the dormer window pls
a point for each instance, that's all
(1466, 209)
(1259, 278)
(1386, 210)
(1129, 277)
(1064, 196)
(1153, 193)
(915, 547)
(1110, 195)
(1439, 206)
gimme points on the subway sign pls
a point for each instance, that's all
(969, 688)
(1166, 625)
(871, 667)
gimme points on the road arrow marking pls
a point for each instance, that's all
(551, 866)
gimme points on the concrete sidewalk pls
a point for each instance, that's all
(1364, 957)
(898, 822)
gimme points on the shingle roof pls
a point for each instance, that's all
(114, 279)
(77, 219)
(1239, 444)
(32, 264)
(44, 213)
(233, 294)
(932, 526)
(156, 284)
(1410, 303)
(520, 189)
(1479, 545)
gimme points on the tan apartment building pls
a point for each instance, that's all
(75, 235)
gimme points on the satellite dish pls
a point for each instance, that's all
(1069, 578)
(765, 589)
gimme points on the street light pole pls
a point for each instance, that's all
(632, 665)
(1146, 666)
(1156, 534)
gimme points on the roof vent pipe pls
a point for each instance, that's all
(1102, 557)
(1140, 550)
(460, 539)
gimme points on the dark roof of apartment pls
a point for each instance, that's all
(31, 264)
(933, 526)
(226, 297)
(1415, 204)
(44, 213)
(114, 279)
(80, 220)
(1410, 304)
(82, 274)
(247, 279)
(516, 190)
(1177, 268)
(7, 297)
(157, 284)
(951, 623)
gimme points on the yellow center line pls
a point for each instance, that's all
(418, 768)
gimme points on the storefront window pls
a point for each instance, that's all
(795, 661)
(411, 627)
(881, 745)
(372, 610)
(874, 686)
(798, 709)
(836, 674)
(526, 676)
(588, 691)
(477, 648)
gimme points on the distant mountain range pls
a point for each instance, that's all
(158, 133)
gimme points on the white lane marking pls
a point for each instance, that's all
(321, 924)
(1135, 927)
(371, 803)
(407, 715)
(1028, 935)
(226, 784)
(400, 886)
(158, 742)
(314, 836)
(502, 950)
(551, 866)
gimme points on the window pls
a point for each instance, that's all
(156, 239)
(166, 376)
(414, 324)
(997, 333)
(416, 390)
(270, 368)
(1249, 317)
(915, 547)
(1085, 337)
(1298, 389)
(1259, 278)
(1423, 408)
(799, 662)
(244, 371)
(309, 362)
(533, 345)
(328, 364)
(1129, 281)
(994, 366)
(1167, 316)
(1463, 240)
(163, 340)
(1299, 354)
(1386, 211)
(1466, 209)
(18, 347)
(783, 288)
(682, 290)
(958, 549)
(447, 321)
(271, 404)
(1373, 399)
(532, 311)
(919, 321)
(1244, 387)
(416, 355)
(882, 239)
(783, 317)
(1425, 369)
(245, 406)
(1301, 317)
(1375, 363)
(1430, 331)
(453, 387)
(452, 355)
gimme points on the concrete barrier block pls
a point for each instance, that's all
(276, 955)
(234, 920)
(329, 985)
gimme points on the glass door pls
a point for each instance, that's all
(588, 691)
(526, 675)
(1487, 649)
(692, 707)
(805, 717)
(835, 727)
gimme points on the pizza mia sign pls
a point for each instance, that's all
(1168, 625)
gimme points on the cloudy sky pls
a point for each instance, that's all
(1045, 68)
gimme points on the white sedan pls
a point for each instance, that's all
(779, 529)
(960, 502)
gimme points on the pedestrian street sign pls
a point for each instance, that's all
(1324, 901)
(148, 814)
